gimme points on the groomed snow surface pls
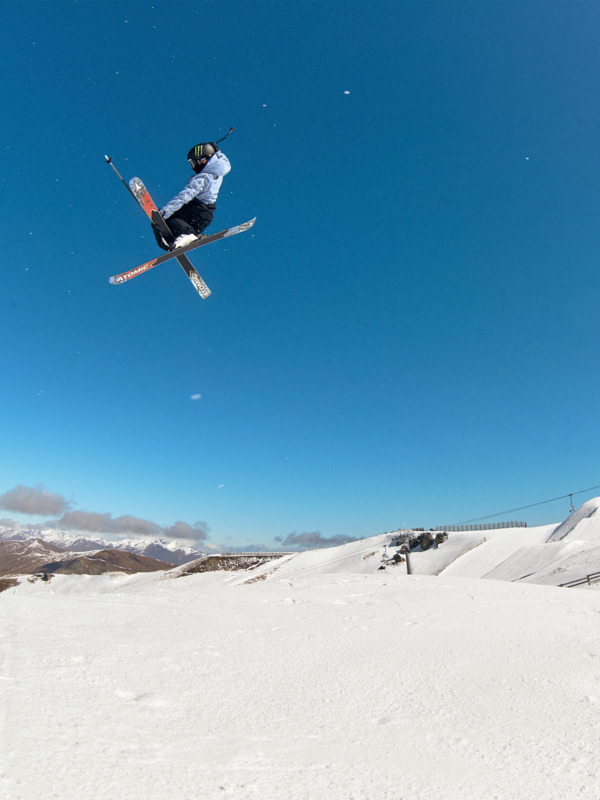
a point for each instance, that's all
(325, 678)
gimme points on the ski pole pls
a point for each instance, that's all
(231, 130)
(123, 181)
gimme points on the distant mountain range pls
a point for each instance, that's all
(25, 551)
(35, 556)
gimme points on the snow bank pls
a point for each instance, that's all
(508, 554)
(316, 675)
(366, 556)
(583, 524)
(341, 686)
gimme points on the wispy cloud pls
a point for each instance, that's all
(312, 541)
(29, 500)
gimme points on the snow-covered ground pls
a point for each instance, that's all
(326, 678)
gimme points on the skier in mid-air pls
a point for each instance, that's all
(191, 211)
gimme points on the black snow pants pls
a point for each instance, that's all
(194, 217)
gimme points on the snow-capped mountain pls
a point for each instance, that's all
(19, 556)
(24, 557)
(168, 551)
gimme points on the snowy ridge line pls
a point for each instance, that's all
(357, 553)
(230, 562)
(338, 560)
(584, 512)
(460, 555)
(333, 560)
(266, 570)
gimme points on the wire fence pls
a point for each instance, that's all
(487, 526)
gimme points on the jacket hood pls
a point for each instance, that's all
(217, 165)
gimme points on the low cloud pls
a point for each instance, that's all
(38, 501)
(127, 524)
(9, 523)
(104, 523)
(29, 500)
(183, 530)
(312, 541)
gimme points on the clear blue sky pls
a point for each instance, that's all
(408, 336)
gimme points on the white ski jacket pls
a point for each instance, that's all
(204, 186)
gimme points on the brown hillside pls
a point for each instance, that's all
(104, 561)
(228, 562)
(22, 558)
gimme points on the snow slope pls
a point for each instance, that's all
(509, 554)
(327, 685)
(583, 524)
(551, 554)
(315, 676)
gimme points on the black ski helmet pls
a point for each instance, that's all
(199, 155)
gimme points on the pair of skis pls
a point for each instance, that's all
(141, 195)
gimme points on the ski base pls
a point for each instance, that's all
(180, 252)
